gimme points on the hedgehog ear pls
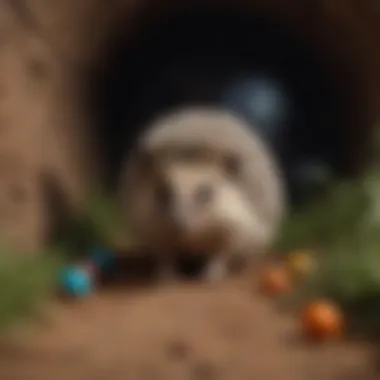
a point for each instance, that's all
(232, 164)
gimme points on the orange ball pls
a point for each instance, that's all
(275, 280)
(301, 263)
(322, 320)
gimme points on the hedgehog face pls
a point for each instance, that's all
(187, 195)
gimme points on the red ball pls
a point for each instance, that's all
(90, 268)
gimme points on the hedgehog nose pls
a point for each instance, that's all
(180, 224)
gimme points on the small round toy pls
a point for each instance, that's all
(76, 281)
(275, 281)
(91, 268)
(101, 257)
(301, 263)
(322, 320)
(262, 100)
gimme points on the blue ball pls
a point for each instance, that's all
(101, 257)
(261, 100)
(76, 281)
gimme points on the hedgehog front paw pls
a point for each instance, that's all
(167, 274)
(216, 271)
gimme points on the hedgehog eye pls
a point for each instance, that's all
(204, 194)
(164, 195)
(232, 165)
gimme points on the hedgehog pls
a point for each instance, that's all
(200, 181)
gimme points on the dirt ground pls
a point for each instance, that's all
(188, 331)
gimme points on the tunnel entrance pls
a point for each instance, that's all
(212, 57)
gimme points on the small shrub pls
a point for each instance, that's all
(99, 222)
(25, 283)
(344, 229)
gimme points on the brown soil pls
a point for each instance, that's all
(189, 331)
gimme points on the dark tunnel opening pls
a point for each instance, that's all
(231, 59)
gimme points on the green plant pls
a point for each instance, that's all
(99, 222)
(344, 229)
(25, 283)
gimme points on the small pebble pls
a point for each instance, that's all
(178, 350)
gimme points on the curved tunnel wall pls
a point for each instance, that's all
(53, 54)
(172, 64)
(187, 54)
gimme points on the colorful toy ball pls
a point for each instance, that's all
(91, 268)
(262, 100)
(76, 281)
(101, 257)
